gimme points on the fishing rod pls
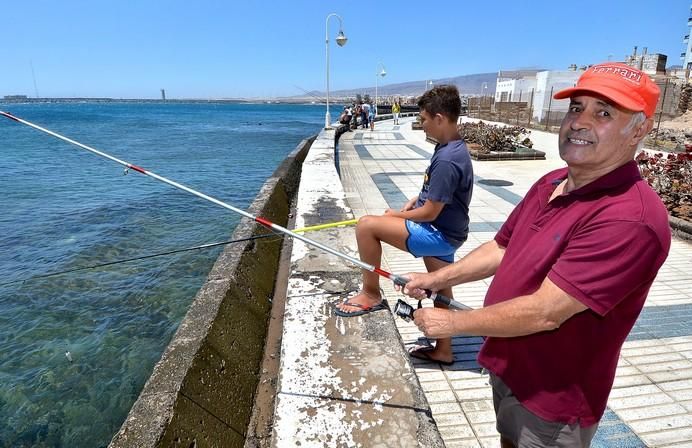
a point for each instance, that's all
(397, 279)
(321, 100)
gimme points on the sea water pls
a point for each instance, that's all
(76, 349)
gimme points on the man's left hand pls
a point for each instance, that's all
(435, 323)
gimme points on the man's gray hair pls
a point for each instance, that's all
(637, 119)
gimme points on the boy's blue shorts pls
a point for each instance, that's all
(424, 240)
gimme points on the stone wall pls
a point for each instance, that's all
(201, 391)
(342, 381)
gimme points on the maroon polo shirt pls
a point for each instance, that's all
(602, 244)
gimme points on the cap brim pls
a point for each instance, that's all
(613, 95)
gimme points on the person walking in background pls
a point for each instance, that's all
(371, 116)
(355, 111)
(364, 113)
(572, 268)
(396, 110)
(432, 225)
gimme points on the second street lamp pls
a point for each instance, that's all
(381, 73)
(341, 41)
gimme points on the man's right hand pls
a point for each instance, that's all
(417, 284)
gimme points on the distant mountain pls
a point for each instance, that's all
(467, 85)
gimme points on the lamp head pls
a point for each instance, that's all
(383, 73)
(341, 39)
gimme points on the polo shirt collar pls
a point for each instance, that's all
(626, 174)
(621, 176)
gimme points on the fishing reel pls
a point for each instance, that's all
(404, 310)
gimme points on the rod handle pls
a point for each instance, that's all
(436, 298)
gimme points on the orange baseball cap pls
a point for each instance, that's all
(624, 85)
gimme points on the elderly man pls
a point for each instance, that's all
(573, 265)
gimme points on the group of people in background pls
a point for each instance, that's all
(366, 112)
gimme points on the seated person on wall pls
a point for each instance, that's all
(345, 117)
(432, 225)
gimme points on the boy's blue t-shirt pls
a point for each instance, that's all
(449, 179)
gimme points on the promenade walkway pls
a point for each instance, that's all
(651, 403)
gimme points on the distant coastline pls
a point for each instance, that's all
(158, 100)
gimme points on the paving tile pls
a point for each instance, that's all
(486, 430)
(465, 443)
(676, 385)
(644, 412)
(435, 386)
(477, 406)
(481, 417)
(471, 383)
(632, 380)
(639, 401)
(670, 375)
(474, 394)
(681, 395)
(490, 442)
(646, 389)
(441, 397)
(654, 359)
(456, 432)
(671, 436)
(430, 376)
(450, 419)
(445, 408)
(662, 423)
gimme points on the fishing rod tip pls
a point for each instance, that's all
(8, 115)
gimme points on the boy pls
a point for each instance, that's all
(432, 225)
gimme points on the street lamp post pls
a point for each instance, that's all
(381, 73)
(341, 41)
(484, 86)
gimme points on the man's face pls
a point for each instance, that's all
(591, 134)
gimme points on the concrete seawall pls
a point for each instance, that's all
(201, 391)
(342, 381)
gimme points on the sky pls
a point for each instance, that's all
(251, 49)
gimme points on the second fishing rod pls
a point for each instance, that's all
(397, 279)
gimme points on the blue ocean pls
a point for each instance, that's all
(76, 349)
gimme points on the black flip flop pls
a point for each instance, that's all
(363, 309)
(424, 354)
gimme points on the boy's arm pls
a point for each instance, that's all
(409, 204)
(428, 212)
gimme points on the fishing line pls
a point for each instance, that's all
(143, 257)
(176, 251)
(397, 279)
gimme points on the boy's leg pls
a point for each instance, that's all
(371, 231)
(443, 347)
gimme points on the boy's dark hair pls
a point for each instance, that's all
(443, 100)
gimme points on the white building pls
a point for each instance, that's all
(547, 83)
(687, 55)
(517, 90)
